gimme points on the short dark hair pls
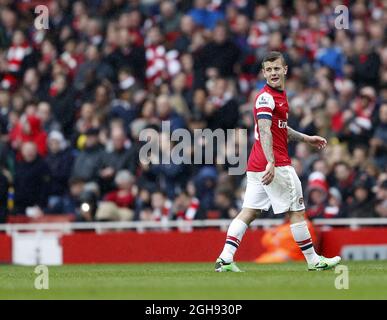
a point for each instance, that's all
(75, 180)
(272, 56)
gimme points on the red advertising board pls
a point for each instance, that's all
(174, 246)
(202, 245)
(334, 240)
(5, 248)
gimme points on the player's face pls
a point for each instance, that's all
(274, 73)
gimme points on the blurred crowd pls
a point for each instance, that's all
(75, 97)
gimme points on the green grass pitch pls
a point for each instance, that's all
(367, 280)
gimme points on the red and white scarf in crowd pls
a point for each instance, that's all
(161, 64)
(190, 213)
(15, 57)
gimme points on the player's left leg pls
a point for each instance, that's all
(285, 194)
(301, 235)
(255, 200)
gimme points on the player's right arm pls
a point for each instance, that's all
(265, 105)
(266, 139)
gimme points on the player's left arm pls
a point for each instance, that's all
(315, 141)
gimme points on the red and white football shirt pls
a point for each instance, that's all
(270, 104)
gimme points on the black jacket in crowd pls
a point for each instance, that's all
(60, 165)
(31, 184)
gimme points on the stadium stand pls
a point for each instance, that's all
(75, 97)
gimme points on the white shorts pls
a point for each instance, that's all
(284, 193)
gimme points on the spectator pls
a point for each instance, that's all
(179, 98)
(5, 106)
(362, 205)
(89, 202)
(365, 63)
(162, 64)
(8, 25)
(335, 207)
(61, 97)
(381, 198)
(221, 107)
(59, 161)
(32, 178)
(28, 129)
(224, 203)
(165, 112)
(93, 68)
(359, 117)
(331, 56)
(125, 106)
(359, 159)
(142, 204)
(17, 54)
(128, 54)
(89, 160)
(173, 175)
(118, 205)
(205, 183)
(70, 203)
(48, 121)
(4, 186)
(170, 19)
(86, 120)
(304, 153)
(186, 206)
(203, 16)
(102, 98)
(335, 115)
(221, 53)
(187, 28)
(160, 209)
(122, 156)
(33, 86)
(379, 139)
(344, 178)
(317, 195)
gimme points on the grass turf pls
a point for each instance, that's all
(367, 280)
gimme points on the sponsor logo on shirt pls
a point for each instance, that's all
(282, 124)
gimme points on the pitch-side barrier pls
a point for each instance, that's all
(142, 226)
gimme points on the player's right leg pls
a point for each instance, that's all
(235, 233)
(255, 200)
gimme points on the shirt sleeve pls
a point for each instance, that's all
(264, 106)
